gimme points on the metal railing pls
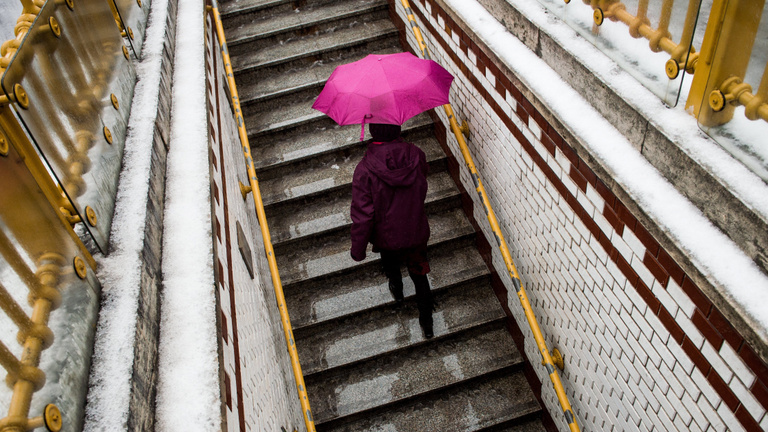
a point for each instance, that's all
(719, 68)
(67, 84)
(253, 187)
(549, 361)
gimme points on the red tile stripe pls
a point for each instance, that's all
(662, 265)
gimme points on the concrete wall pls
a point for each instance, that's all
(257, 381)
(648, 341)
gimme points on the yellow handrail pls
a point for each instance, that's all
(254, 187)
(540, 343)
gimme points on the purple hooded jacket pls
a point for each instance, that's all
(388, 192)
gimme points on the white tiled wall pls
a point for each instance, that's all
(624, 370)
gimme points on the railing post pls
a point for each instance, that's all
(725, 54)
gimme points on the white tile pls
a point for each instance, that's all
(681, 298)
(645, 275)
(705, 387)
(710, 414)
(690, 330)
(680, 355)
(686, 382)
(736, 364)
(747, 399)
(633, 242)
(716, 361)
(730, 420)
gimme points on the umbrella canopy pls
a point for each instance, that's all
(383, 89)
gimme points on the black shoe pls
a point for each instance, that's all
(425, 320)
(397, 292)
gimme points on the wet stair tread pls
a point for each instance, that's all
(323, 139)
(532, 425)
(312, 304)
(425, 368)
(298, 48)
(325, 255)
(326, 213)
(280, 117)
(231, 8)
(280, 84)
(479, 404)
(274, 24)
(331, 171)
(356, 338)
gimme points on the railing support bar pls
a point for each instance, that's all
(521, 294)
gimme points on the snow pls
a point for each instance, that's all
(9, 13)
(119, 273)
(188, 387)
(711, 251)
(188, 383)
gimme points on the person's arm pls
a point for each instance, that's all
(362, 214)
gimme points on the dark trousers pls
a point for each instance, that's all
(418, 267)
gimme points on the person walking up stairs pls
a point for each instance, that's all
(389, 188)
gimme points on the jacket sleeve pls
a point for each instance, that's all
(361, 212)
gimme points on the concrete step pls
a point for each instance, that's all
(280, 26)
(325, 136)
(411, 373)
(355, 37)
(355, 338)
(325, 255)
(473, 406)
(273, 86)
(327, 213)
(230, 9)
(313, 303)
(530, 424)
(327, 172)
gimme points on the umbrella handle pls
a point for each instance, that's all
(362, 126)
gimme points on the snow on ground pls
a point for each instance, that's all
(188, 387)
(119, 273)
(712, 252)
(9, 12)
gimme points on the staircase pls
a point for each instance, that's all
(367, 365)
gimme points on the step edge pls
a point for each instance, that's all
(476, 279)
(488, 322)
(461, 236)
(371, 8)
(369, 37)
(514, 368)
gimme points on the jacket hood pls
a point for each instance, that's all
(394, 162)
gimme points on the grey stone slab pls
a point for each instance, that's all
(299, 48)
(310, 304)
(324, 137)
(324, 255)
(314, 76)
(325, 173)
(292, 23)
(324, 213)
(475, 406)
(403, 375)
(230, 8)
(519, 425)
(360, 337)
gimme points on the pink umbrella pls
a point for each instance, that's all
(383, 89)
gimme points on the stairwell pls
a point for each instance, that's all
(366, 363)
